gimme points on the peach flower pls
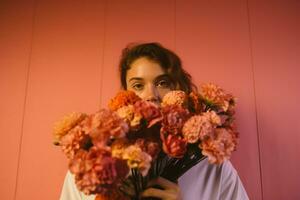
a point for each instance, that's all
(218, 148)
(62, 127)
(175, 97)
(136, 158)
(128, 114)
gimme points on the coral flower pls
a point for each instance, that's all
(104, 125)
(72, 142)
(195, 102)
(200, 126)
(96, 171)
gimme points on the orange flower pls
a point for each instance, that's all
(217, 95)
(62, 127)
(123, 98)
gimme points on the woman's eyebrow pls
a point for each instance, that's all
(135, 79)
(167, 76)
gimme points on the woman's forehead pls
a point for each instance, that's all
(145, 69)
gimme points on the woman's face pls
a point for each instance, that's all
(148, 80)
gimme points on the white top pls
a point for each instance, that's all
(204, 181)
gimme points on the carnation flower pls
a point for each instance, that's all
(175, 97)
(195, 102)
(62, 127)
(150, 147)
(149, 111)
(174, 117)
(212, 117)
(200, 126)
(136, 158)
(118, 147)
(75, 140)
(219, 147)
(128, 114)
(174, 145)
(96, 171)
(112, 195)
(216, 95)
(104, 125)
(123, 98)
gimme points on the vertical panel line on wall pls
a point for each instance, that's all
(255, 98)
(175, 21)
(25, 97)
(103, 50)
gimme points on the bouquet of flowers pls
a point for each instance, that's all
(114, 152)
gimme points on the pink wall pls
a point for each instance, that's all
(61, 56)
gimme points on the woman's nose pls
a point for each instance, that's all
(151, 94)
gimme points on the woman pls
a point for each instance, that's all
(151, 71)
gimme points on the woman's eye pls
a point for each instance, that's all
(163, 84)
(137, 86)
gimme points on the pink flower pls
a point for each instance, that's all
(150, 147)
(149, 111)
(104, 125)
(96, 171)
(219, 147)
(175, 97)
(174, 117)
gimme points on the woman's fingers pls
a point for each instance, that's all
(162, 194)
(166, 184)
(167, 190)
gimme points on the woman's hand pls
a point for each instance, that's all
(170, 191)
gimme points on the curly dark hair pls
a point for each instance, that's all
(166, 58)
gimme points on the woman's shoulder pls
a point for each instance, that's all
(211, 181)
(70, 191)
(215, 170)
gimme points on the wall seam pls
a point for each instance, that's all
(255, 98)
(25, 98)
(103, 51)
(175, 21)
